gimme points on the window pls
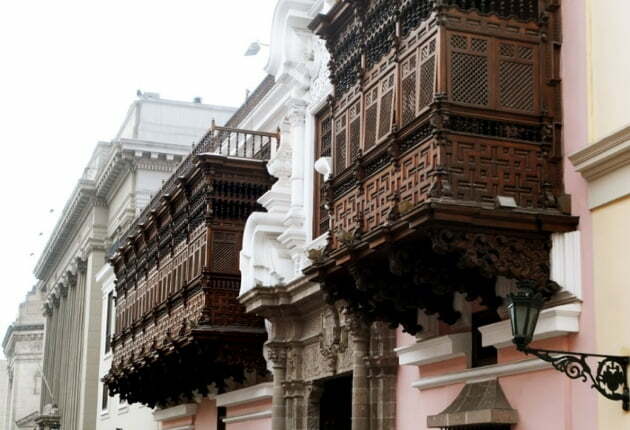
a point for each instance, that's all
(323, 142)
(109, 321)
(105, 399)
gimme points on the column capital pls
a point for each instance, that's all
(277, 354)
(296, 112)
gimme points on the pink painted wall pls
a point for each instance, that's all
(206, 418)
(177, 422)
(260, 424)
(249, 408)
(583, 408)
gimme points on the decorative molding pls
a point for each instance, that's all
(434, 350)
(481, 374)
(604, 156)
(566, 262)
(245, 395)
(176, 412)
(553, 322)
(248, 417)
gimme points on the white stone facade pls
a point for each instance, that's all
(117, 184)
(23, 348)
(275, 242)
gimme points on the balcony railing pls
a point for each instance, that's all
(229, 142)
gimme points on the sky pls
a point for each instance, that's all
(69, 69)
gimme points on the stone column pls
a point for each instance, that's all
(360, 388)
(278, 357)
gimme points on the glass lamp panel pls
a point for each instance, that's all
(533, 312)
(521, 316)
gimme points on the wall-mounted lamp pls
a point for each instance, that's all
(611, 376)
(254, 48)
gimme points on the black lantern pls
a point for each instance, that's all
(611, 375)
(524, 308)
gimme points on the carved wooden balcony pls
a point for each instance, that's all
(179, 326)
(446, 144)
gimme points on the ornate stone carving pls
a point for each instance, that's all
(331, 343)
(81, 265)
(277, 354)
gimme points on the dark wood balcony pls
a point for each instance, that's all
(179, 326)
(446, 143)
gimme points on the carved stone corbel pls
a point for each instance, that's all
(81, 265)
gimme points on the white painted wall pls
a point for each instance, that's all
(275, 243)
(151, 118)
(117, 414)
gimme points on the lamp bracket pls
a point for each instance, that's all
(610, 379)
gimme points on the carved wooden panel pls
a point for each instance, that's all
(481, 169)
(377, 198)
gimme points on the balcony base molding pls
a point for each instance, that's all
(176, 412)
(434, 350)
(553, 322)
(248, 417)
(482, 374)
(246, 395)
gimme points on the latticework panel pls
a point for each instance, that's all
(371, 114)
(516, 77)
(224, 252)
(354, 132)
(386, 111)
(325, 143)
(427, 82)
(408, 90)
(341, 150)
(469, 75)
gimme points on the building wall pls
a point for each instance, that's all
(612, 273)
(117, 414)
(609, 66)
(603, 163)
(4, 388)
(23, 347)
(155, 136)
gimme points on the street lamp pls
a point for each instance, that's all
(254, 48)
(611, 377)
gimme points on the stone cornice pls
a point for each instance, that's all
(604, 156)
(83, 197)
(285, 299)
(127, 154)
(14, 328)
